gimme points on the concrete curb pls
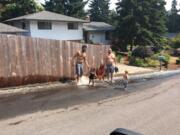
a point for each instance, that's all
(13, 91)
(6, 92)
(154, 75)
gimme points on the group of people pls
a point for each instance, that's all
(106, 68)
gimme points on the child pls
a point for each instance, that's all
(92, 75)
(125, 79)
(101, 72)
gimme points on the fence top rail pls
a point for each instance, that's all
(52, 40)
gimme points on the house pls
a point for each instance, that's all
(7, 29)
(50, 25)
(97, 32)
(171, 35)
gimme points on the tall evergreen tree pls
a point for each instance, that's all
(99, 10)
(113, 18)
(173, 17)
(57, 6)
(73, 8)
(16, 8)
(140, 22)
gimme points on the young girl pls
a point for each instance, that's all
(92, 75)
(125, 79)
(101, 72)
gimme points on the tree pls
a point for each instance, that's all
(173, 18)
(15, 8)
(99, 10)
(3, 6)
(73, 8)
(113, 18)
(140, 22)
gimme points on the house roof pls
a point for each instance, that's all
(47, 16)
(97, 26)
(171, 35)
(4, 28)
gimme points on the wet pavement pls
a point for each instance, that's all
(55, 99)
(150, 107)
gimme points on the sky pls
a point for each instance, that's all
(112, 6)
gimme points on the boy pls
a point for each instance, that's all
(125, 79)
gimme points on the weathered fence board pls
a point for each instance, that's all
(25, 60)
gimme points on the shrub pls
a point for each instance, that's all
(137, 62)
(148, 62)
(118, 57)
(142, 52)
(176, 42)
(178, 61)
(152, 63)
(156, 56)
(167, 57)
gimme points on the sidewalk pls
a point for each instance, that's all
(133, 69)
(135, 74)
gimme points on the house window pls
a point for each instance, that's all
(107, 35)
(72, 26)
(23, 25)
(44, 25)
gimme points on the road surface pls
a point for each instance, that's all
(151, 107)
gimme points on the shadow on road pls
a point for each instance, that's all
(56, 99)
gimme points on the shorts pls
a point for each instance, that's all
(125, 83)
(110, 68)
(92, 76)
(79, 69)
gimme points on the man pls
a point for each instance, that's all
(81, 58)
(110, 61)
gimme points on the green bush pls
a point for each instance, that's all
(152, 63)
(137, 62)
(148, 62)
(156, 56)
(167, 57)
(167, 47)
(178, 61)
(118, 57)
(176, 42)
(142, 52)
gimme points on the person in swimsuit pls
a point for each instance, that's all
(101, 72)
(110, 61)
(81, 58)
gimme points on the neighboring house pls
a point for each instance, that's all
(171, 35)
(50, 25)
(97, 32)
(7, 29)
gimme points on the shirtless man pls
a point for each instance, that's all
(110, 61)
(81, 58)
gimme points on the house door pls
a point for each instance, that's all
(85, 35)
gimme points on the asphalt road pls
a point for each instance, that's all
(150, 107)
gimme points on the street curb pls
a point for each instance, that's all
(34, 88)
(13, 91)
(154, 75)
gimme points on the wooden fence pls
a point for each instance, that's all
(25, 60)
